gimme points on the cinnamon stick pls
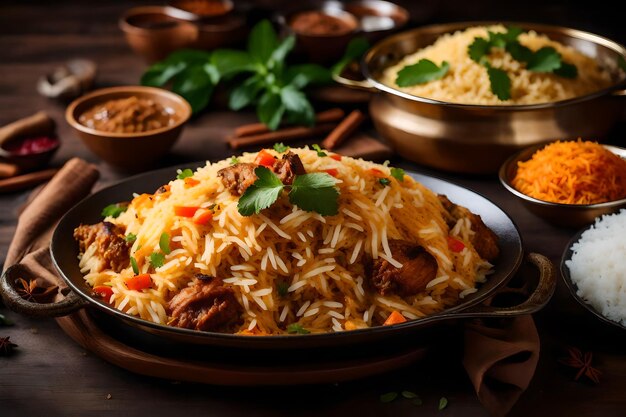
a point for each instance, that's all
(8, 170)
(27, 180)
(282, 135)
(328, 116)
(343, 130)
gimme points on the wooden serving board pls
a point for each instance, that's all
(87, 332)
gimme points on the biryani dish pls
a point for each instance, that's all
(467, 81)
(288, 241)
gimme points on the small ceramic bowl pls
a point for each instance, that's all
(130, 151)
(221, 32)
(563, 215)
(377, 18)
(153, 34)
(194, 10)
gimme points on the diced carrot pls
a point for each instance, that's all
(336, 157)
(191, 182)
(394, 318)
(377, 172)
(265, 159)
(184, 211)
(139, 282)
(332, 172)
(455, 245)
(103, 291)
(202, 217)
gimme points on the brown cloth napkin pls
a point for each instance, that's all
(500, 361)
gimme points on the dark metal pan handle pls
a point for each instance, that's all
(13, 300)
(535, 302)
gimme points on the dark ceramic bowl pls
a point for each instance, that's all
(130, 151)
(564, 215)
(64, 251)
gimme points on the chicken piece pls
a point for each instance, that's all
(418, 269)
(237, 178)
(206, 305)
(288, 167)
(112, 247)
(484, 240)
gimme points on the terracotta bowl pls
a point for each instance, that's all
(130, 151)
(153, 34)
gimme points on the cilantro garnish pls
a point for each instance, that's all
(133, 263)
(157, 259)
(234, 160)
(443, 403)
(319, 150)
(164, 243)
(420, 73)
(397, 173)
(185, 173)
(296, 328)
(262, 194)
(131, 237)
(280, 147)
(311, 192)
(546, 59)
(384, 181)
(113, 210)
(282, 288)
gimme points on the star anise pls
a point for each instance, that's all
(582, 362)
(6, 346)
(32, 291)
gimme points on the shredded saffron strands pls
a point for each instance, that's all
(574, 172)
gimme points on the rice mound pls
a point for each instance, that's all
(467, 81)
(320, 259)
(597, 266)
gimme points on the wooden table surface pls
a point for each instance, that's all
(51, 375)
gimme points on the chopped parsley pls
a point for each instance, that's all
(424, 71)
(384, 181)
(133, 263)
(280, 147)
(157, 259)
(185, 173)
(397, 173)
(113, 210)
(234, 160)
(296, 328)
(164, 243)
(131, 237)
(319, 150)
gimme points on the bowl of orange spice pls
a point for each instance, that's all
(568, 183)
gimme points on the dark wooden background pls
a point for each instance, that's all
(51, 375)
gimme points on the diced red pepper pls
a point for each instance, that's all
(394, 318)
(265, 159)
(332, 172)
(202, 217)
(103, 291)
(184, 211)
(139, 282)
(455, 245)
(377, 172)
(191, 182)
(336, 157)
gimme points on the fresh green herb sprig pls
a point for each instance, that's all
(113, 210)
(260, 76)
(355, 49)
(296, 328)
(546, 59)
(311, 192)
(184, 173)
(422, 72)
(130, 238)
(157, 259)
(280, 147)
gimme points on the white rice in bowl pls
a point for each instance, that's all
(598, 266)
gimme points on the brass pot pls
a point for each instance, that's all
(478, 138)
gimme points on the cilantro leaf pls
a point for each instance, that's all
(398, 173)
(157, 259)
(234, 160)
(315, 192)
(512, 33)
(164, 243)
(280, 147)
(384, 181)
(546, 59)
(296, 328)
(519, 52)
(567, 70)
(262, 194)
(319, 151)
(420, 73)
(497, 39)
(185, 173)
(478, 49)
(113, 210)
(133, 263)
(130, 238)
(500, 83)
